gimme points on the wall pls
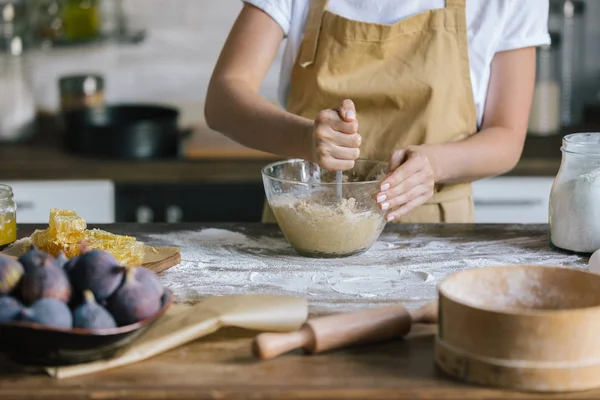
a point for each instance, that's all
(172, 65)
(175, 62)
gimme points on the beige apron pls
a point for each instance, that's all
(410, 82)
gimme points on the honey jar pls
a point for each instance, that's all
(8, 216)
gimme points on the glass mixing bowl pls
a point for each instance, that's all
(314, 219)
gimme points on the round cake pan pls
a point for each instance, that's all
(524, 327)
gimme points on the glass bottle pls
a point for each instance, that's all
(82, 20)
(8, 216)
(17, 101)
(574, 209)
(544, 118)
(572, 62)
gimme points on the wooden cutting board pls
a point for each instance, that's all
(160, 259)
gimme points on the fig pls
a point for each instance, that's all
(61, 259)
(92, 315)
(134, 300)
(46, 281)
(98, 271)
(48, 312)
(10, 308)
(148, 278)
(35, 258)
(68, 265)
(11, 272)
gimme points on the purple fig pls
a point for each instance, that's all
(149, 279)
(134, 300)
(92, 315)
(48, 281)
(61, 259)
(98, 271)
(35, 258)
(11, 272)
(10, 308)
(49, 312)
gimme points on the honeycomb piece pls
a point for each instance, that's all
(125, 249)
(66, 226)
(99, 234)
(129, 253)
(66, 231)
(45, 241)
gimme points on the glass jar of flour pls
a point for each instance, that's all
(574, 212)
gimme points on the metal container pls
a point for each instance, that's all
(124, 131)
(81, 91)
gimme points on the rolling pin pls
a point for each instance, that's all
(342, 330)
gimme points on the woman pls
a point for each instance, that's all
(441, 89)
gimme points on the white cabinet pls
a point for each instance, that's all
(512, 199)
(93, 200)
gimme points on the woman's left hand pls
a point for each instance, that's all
(409, 183)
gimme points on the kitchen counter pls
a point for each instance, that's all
(207, 157)
(404, 266)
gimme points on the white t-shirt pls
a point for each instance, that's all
(493, 26)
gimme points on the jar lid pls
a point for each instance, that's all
(573, 7)
(585, 143)
(5, 192)
(85, 83)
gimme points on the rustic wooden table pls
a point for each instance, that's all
(221, 366)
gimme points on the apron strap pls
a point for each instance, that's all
(312, 29)
(456, 3)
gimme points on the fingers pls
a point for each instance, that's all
(333, 164)
(338, 152)
(420, 187)
(332, 119)
(336, 138)
(414, 163)
(398, 157)
(410, 184)
(404, 187)
(347, 110)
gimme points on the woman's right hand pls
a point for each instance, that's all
(336, 142)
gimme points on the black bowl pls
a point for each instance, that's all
(34, 344)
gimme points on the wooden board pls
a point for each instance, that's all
(156, 258)
(172, 257)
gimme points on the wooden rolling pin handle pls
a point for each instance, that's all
(341, 330)
(372, 325)
(428, 314)
(270, 345)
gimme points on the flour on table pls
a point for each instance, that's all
(400, 267)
